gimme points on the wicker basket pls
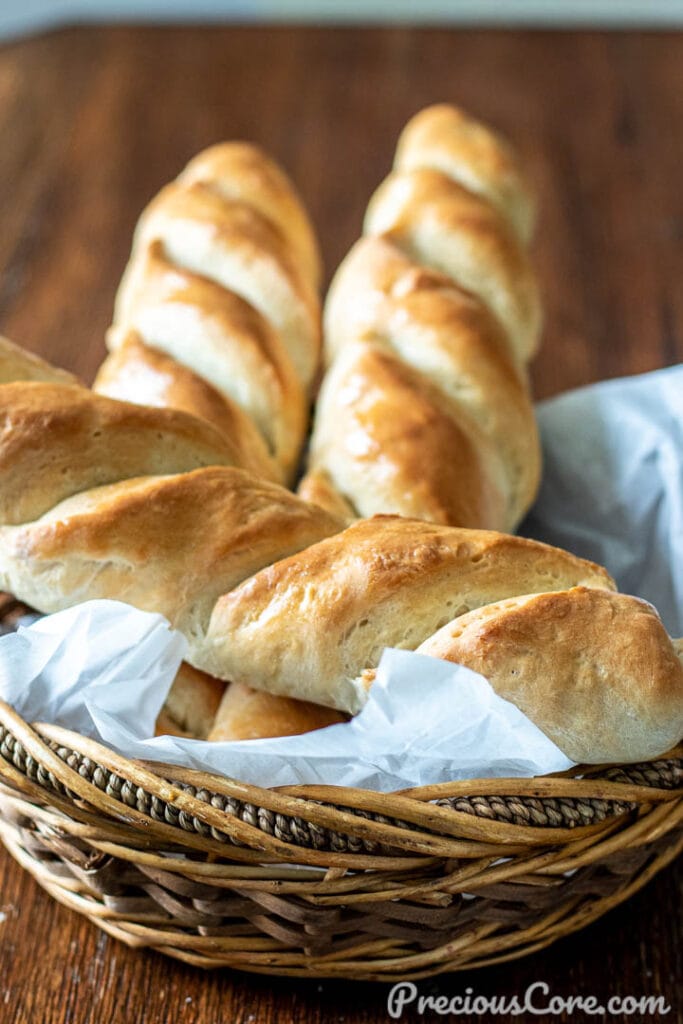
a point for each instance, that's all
(324, 881)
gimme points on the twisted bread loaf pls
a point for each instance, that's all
(429, 323)
(217, 313)
(274, 593)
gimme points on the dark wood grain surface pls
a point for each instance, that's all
(92, 122)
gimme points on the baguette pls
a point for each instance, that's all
(429, 323)
(218, 312)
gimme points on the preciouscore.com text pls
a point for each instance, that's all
(537, 999)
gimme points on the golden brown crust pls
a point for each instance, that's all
(594, 670)
(236, 247)
(317, 488)
(445, 227)
(166, 725)
(169, 544)
(448, 140)
(393, 445)
(246, 714)
(138, 373)
(223, 279)
(218, 337)
(191, 705)
(243, 172)
(428, 325)
(457, 361)
(58, 440)
(308, 625)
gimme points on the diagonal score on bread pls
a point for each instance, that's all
(218, 313)
(429, 322)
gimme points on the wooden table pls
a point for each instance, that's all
(93, 121)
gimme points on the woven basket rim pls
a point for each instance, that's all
(320, 881)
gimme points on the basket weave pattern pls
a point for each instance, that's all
(328, 881)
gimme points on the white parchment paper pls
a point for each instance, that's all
(613, 491)
(105, 668)
(613, 483)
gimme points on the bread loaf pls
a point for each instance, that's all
(205, 322)
(217, 313)
(109, 516)
(430, 320)
(275, 594)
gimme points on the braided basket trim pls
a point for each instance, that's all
(545, 812)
